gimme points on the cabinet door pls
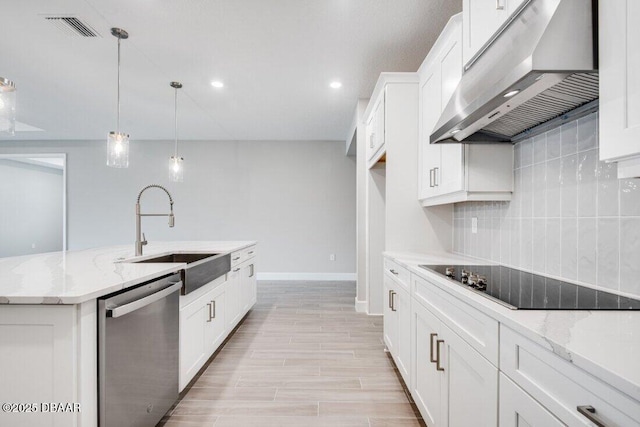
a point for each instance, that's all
(232, 298)
(390, 320)
(518, 409)
(245, 271)
(480, 20)
(619, 79)
(430, 108)
(215, 320)
(253, 285)
(471, 385)
(38, 362)
(450, 175)
(402, 302)
(193, 346)
(428, 384)
(248, 286)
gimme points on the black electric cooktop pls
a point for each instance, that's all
(521, 290)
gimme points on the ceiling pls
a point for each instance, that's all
(275, 57)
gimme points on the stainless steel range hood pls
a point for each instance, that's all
(539, 67)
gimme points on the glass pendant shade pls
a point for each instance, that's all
(7, 107)
(118, 150)
(176, 169)
(118, 142)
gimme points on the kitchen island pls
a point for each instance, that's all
(48, 323)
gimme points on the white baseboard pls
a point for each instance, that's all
(328, 277)
(361, 306)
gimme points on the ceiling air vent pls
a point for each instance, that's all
(72, 26)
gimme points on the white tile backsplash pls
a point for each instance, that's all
(629, 253)
(570, 217)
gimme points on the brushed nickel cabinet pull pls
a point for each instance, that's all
(252, 270)
(433, 359)
(209, 319)
(236, 258)
(438, 367)
(236, 269)
(393, 301)
(435, 177)
(394, 272)
(250, 252)
(431, 178)
(590, 413)
(389, 299)
(213, 303)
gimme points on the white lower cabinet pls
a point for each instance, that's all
(248, 285)
(48, 354)
(470, 388)
(561, 387)
(428, 384)
(390, 320)
(453, 385)
(397, 324)
(202, 329)
(209, 314)
(234, 291)
(518, 409)
(468, 369)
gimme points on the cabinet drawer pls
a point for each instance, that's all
(476, 328)
(400, 274)
(237, 257)
(560, 386)
(249, 252)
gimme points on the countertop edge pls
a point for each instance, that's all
(116, 285)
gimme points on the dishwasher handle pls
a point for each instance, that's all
(143, 302)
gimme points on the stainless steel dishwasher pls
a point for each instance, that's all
(138, 353)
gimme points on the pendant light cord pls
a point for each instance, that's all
(118, 116)
(176, 123)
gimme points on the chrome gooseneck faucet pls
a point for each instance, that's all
(140, 238)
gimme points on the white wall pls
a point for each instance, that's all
(31, 208)
(296, 198)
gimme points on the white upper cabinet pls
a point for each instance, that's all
(376, 131)
(620, 85)
(429, 113)
(482, 18)
(450, 173)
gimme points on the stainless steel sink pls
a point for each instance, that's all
(201, 268)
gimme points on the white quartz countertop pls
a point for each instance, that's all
(74, 277)
(604, 343)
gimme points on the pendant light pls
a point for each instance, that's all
(7, 106)
(118, 142)
(176, 163)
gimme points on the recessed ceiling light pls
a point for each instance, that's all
(217, 84)
(335, 85)
(511, 93)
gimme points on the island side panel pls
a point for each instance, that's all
(43, 362)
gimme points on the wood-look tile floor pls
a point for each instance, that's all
(301, 357)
